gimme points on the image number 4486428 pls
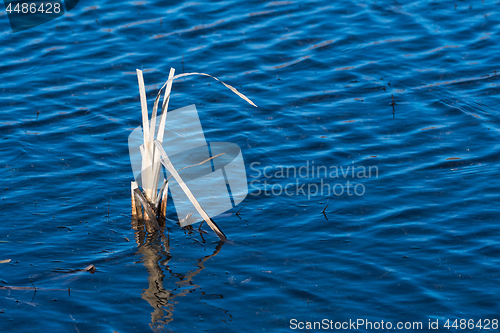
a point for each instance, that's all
(32, 8)
(26, 14)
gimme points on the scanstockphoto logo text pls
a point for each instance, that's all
(310, 179)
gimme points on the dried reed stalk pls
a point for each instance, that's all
(152, 154)
(166, 162)
(133, 186)
(149, 215)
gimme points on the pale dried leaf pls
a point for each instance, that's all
(166, 162)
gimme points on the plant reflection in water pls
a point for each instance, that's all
(155, 250)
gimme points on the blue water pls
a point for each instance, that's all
(422, 242)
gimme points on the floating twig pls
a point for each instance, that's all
(324, 212)
(393, 109)
(34, 292)
(238, 212)
(90, 268)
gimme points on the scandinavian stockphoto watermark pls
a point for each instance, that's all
(310, 180)
(214, 172)
(26, 14)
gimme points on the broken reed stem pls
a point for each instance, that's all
(159, 197)
(234, 90)
(166, 162)
(134, 210)
(156, 166)
(138, 207)
(164, 199)
(149, 215)
(146, 170)
(145, 148)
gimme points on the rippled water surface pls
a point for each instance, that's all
(421, 242)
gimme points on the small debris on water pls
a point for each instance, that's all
(393, 103)
(90, 268)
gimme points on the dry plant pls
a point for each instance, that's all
(150, 204)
